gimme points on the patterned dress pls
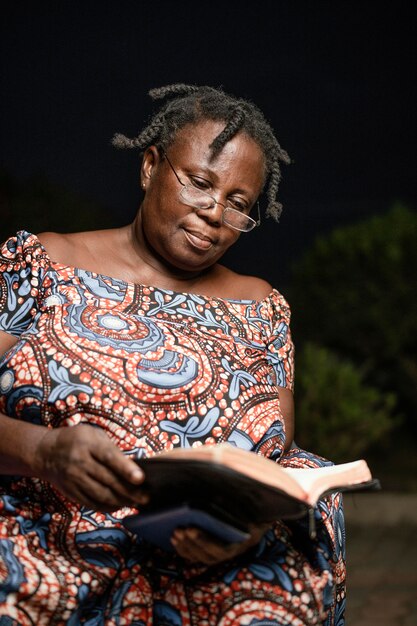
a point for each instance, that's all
(155, 369)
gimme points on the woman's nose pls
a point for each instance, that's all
(213, 214)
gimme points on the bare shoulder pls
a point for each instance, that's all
(240, 286)
(72, 248)
(55, 244)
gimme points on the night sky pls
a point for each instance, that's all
(335, 79)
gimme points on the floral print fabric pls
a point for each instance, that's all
(155, 369)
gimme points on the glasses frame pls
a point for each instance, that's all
(252, 223)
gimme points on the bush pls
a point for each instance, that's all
(337, 414)
(354, 292)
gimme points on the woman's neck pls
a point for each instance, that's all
(151, 267)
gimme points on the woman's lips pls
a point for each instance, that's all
(198, 240)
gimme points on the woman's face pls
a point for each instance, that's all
(193, 239)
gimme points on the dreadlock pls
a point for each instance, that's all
(190, 104)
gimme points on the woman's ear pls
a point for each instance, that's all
(150, 161)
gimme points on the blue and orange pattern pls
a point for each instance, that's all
(155, 369)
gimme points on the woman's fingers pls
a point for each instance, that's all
(109, 455)
(89, 496)
(87, 466)
(198, 547)
(94, 495)
(112, 486)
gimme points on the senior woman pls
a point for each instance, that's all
(134, 340)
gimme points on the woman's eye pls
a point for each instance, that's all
(238, 205)
(200, 184)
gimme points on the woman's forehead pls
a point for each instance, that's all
(240, 163)
(195, 139)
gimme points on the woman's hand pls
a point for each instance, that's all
(88, 468)
(197, 546)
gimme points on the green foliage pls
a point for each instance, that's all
(37, 205)
(355, 292)
(338, 415)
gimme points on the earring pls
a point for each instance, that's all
(143, 185)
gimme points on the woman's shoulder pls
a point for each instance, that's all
(46, 247)
(83, 249)
(240, 286)
(60, 246)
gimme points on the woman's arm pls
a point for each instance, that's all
(81, 461)
(286, 400)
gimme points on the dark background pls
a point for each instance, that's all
(335, 79)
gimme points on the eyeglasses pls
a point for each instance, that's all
(199, 199)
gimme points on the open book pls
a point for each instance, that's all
(222, 489)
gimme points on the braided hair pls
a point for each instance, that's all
(190, 104)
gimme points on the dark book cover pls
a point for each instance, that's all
(211, 496)
(214, 497)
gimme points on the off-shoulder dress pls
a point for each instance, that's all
(154, 369)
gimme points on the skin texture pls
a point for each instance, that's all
(170, 245)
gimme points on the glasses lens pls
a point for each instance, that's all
(196, 198)
(238, 220)
(200, 200)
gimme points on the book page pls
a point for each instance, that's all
(315, 481)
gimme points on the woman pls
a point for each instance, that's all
(137, 340)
